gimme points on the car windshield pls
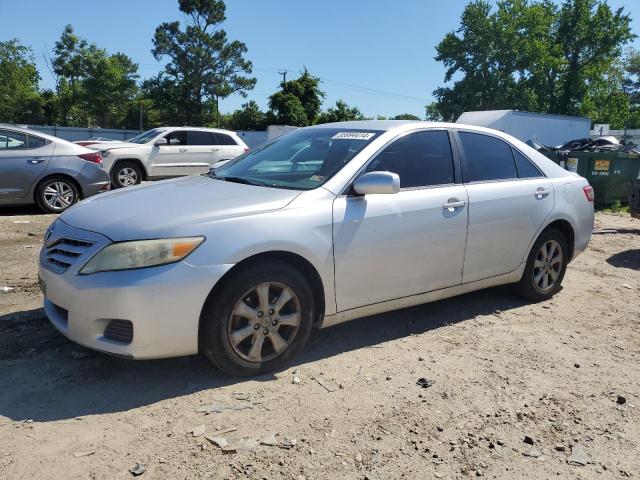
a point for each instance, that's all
(300, 160)
(146, 136)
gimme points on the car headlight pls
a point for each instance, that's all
(140, 254)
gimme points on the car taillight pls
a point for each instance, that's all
(588, 192)
(93, 157)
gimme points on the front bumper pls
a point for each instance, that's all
(163, 303)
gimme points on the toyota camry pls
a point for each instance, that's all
(325, 224)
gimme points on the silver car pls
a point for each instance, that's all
(323, 225)
(48, 171)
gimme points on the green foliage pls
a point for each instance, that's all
(298, 101)
(203, 64)
(92, 87)
(406, 116)
(340, 113)
(249, 117)
(19, 95)
(530, 55)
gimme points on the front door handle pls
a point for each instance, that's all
(215, 149)
(183, 150)
(454, 203)
(541, 193)
(35, 161)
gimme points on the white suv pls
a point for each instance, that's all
(168, 152)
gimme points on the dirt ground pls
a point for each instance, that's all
(564, 374)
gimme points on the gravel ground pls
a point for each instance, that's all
(563, 375)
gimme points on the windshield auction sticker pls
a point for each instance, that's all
(353, 136)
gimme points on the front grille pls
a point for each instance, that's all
(119, 331)
(63, 252)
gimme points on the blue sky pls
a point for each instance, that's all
(375, 54)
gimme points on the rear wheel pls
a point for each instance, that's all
(259, 319)
(546, 266)
(56, 194)
(126, 174)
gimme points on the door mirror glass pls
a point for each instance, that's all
(377, 182)
(160, 141)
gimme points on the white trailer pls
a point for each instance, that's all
(544, 128)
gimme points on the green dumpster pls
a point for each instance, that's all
(609, 173)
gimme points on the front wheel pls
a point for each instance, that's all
(125, 174)
(258, 320)
(546, 266)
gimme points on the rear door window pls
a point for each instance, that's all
(526, 169)
(198, 137)
(222, 139)
(35, 142)
(420, 159)
(486, 158)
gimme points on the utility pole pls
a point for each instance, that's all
(140, 117)
(284, 79)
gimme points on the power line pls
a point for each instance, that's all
(360, 88)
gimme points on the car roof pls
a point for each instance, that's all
(387, 125)
(31, 131)
(204, 129)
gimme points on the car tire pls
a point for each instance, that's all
(125, 174)
(57, 193)
(546, 266)
(264, 336)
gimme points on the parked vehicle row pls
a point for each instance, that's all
(322, 225)
(46, 170)
(39, 168)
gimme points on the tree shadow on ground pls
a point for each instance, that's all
(47, 378)
(626, 259)
(13, 211)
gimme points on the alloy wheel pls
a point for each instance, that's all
(127, 176)
(59, 195)
(264, 322)
(547, 266)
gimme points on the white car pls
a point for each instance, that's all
(322, 225)
(168, 152)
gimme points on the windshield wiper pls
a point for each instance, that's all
(236, 180)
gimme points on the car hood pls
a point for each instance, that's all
(112, 145)
(171, 208)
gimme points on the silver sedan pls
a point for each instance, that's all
(46, 170)
(323, 225)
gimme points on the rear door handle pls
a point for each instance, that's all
(454, 203)
(542, 192)
(215, 149)
(183, 150)
(35, 161)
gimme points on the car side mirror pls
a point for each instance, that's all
(160, 141)
(377, 183)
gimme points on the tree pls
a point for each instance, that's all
(69, 66)
(606, 101)
(340, 113)
(528, 55)
(19, 96)
(92, 87)
(204, 65)
(405, 116)
(249, 117)
(631, 87)
(298, 101)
